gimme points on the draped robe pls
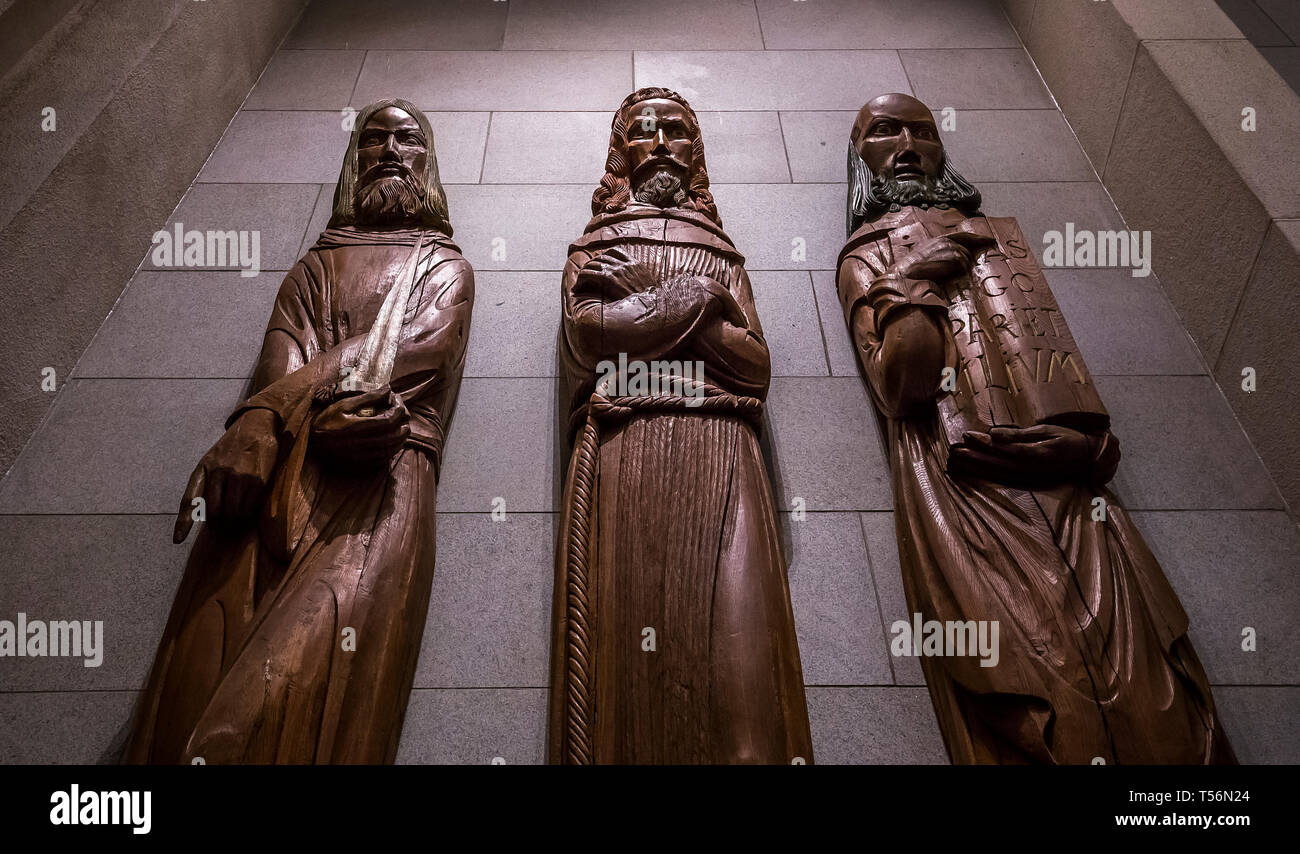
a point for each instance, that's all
(1095, 659)
(252, 666)
(680, 524)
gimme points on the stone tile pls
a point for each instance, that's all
(633, 25)
(516, 321)
(306, 80)
(320, 217)
(886, 570)
(67, 728)
(1021, 13)
(278, 213)
(496, 80)
(835, 332)
(1286, 62)
(501, 445)
(1254, 23)
(1233, 570)
(152, 330)
(773, 79)
(789, 317)
(1016, 145)
(268, 146)
(1123, 324)
(1177, 19)
(489, 614)
(1043, 207)
(1285, 14)
(474, 727)
(978, 79)
(874, 726)
(765, 220)
(744, 148)
(824, 445)
(840, 638)
(1263, 337)
(1089, 93)
(1261, 723)
(817, 143)
(1206, 224)
(395, 24)
(547, 148)
(1216, 79)
(519, 227)
(265, 146)
(884, 24)
(1182, 448)
(120, 570)
(119, 446)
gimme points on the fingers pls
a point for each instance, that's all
(185, 516)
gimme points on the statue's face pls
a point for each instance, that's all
(659, 138)
(391, 145)
(898, 139)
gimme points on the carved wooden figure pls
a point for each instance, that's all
(999, 451)
(295, 632)
(674, 640)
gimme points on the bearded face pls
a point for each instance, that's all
(897, 160)
(389, 200)
(661, 188)
(391, 153)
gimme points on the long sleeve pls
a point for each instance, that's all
(903, 361)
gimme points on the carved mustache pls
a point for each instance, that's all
(402, 170)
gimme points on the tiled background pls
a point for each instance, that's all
(520, 95)
(1273, 26)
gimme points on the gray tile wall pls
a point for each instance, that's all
(520, 96)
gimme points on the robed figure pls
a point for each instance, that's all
(297, 625)
(999, 450)
(674, 638)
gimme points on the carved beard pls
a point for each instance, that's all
(923, 193)
(391, 200)
(663, 189)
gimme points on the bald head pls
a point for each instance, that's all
(897, 138)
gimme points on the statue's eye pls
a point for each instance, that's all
(884, 129)
(925, 133)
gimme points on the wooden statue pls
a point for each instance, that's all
(999, 451)
(674, 640)
(295, 632)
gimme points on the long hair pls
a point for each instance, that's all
(433, 211)
(863, 204)
(615, 190)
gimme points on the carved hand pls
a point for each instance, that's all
(363, 429)
(615, 274)
(233, 475)
(1044, 453)
(941, 258)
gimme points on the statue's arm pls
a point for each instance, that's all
(734, 349)
(432, 350)
(902, 346)
(600, 321)
(292, 363)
